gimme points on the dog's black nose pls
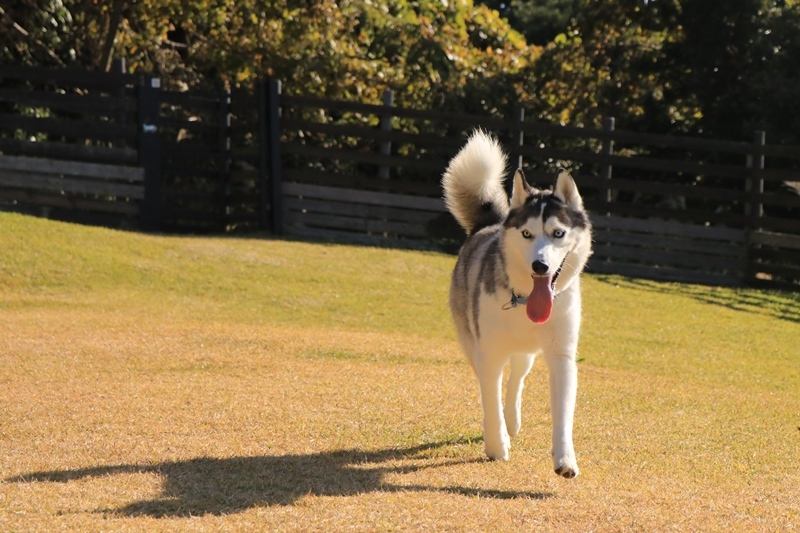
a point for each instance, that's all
(540, 268)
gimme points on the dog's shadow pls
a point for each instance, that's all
(223, 486)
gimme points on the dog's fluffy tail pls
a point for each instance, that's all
(473, 183)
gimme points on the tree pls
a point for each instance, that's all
(610, 62)
(432, 53)
(540, 21)
(739, 60)
(722, 69)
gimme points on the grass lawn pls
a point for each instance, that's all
(159, 383)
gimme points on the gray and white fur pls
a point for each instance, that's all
(535, 243)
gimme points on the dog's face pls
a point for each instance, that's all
(542, 229)
(545, 225)
(543, 240)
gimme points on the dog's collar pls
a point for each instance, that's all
(516, 299)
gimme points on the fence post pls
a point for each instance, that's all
(263, 156)
(224, 153)
(606, 170)
(518, 135)
(270, 169)
(118, 68)
(149, 151)
(386, 125)
(755, 183)
(753, 208)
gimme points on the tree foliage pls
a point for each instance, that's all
(434, 54)
(718, 68)
(538, 20)
(740, 60)
(722, 68)
(610, 62)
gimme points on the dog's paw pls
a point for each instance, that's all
(497, 449)
(566, 466)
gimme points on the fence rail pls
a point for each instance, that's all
(669, 207)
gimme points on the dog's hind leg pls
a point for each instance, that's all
(520, 366)
(563, 390)
(490, 378)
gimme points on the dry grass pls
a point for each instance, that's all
(160, 383)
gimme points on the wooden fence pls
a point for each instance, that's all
(80, 145)
(665, 207)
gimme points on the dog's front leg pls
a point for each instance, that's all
(520, 366)
(495, 434)
(563, 390)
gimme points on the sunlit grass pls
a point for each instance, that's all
(173, 383)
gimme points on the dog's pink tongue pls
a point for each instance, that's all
(540, 302)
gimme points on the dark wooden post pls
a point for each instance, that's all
(753, 206)
(118, 68)
(149, 151)
(755, 183)
(519, 135)
(270, 168)
(118, 65)
(224, 140)
(263, 156)
(386, 125)
(606, 170)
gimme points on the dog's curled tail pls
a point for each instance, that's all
(473, 183)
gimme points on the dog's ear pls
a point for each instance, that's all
(521, 190)
(567, 191)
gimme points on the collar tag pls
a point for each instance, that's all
(516, 300)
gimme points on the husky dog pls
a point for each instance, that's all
(515, 291)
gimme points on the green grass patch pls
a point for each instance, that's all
(161, 383)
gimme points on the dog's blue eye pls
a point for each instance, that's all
(557, 234)
(527, 234)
